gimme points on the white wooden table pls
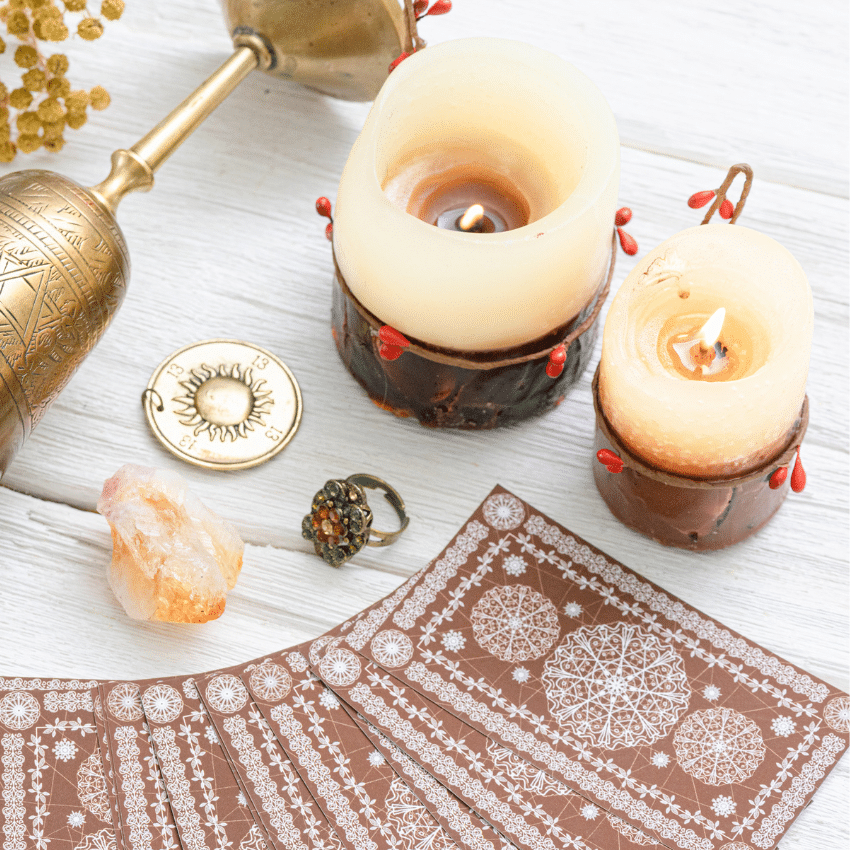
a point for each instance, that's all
(228, 245)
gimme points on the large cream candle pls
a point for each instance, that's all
(687, 406)
(488, 121)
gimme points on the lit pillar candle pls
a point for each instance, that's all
(504, 125)
(708, 408)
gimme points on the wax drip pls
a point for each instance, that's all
(798, 476)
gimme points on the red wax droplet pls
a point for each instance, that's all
(726, 209)
(558, 354)
(441, 7)
(397, 61)
(700, 199)
(323, 207)
(611, 461)
(624, 216)
(390, 336)
(798, 476)
(553, 370)
(778, 478)
(389, 352)
(627, 242)
(329, 231)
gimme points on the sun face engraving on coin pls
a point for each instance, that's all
(223, 404)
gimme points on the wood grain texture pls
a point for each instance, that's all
(228, 245)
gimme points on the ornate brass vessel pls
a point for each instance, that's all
(64, 264)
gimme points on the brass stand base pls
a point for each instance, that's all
(685, 512)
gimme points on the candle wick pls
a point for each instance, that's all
(471, 218)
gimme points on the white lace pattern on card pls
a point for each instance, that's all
(320, 776)
(445, 804)
(68, 701)
(135, 814)
(435, 579)
(365, 628)
(441, 763)
(802, 786)
(543, 753)
(264, 786)
(412, 822)
(192, 836)
(657, 600)
(13, 792)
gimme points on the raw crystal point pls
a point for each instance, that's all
(173, 559)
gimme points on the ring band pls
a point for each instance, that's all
(340, 520)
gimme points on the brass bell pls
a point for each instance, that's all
(64, 265)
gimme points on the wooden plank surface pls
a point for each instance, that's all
(228, 244)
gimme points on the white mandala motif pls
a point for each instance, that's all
(515, 623)
(660, 759)
(521, 675)
(162, 703)
(226, 694)
(783, 726)
(19, 710)
(529, 778)
(837, 714)
(391, 648)
(375, 758)
(340, 667)
(723, 806)
(64, 749)
(504, 511)
(125, 703)
(91, 788)
(634, 835)
(270, 682)
(617, 686)
(718, 746)
(589, 811)
(328, 699)
(711, 693)
(412, 822)
(76, 819)
(514, 565)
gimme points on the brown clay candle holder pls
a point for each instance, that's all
(452, 389)
(688, 512)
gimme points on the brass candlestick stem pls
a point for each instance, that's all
(64, 265)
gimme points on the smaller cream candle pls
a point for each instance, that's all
(702, 401)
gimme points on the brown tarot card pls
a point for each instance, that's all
(147, 821)
(54, 787)
(646, 707)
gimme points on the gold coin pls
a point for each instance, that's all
(223, 404)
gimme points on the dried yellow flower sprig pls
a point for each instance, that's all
(37, 113)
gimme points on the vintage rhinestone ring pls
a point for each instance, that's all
(340, 519)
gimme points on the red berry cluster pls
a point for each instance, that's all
(323, 208)
(700, 199)
(627, 241)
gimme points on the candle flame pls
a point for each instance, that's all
(710, 331)
(471, 217)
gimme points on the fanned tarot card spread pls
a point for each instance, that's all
(144, 811)
(645, 707)
(53, 781)
(209, 806)
(530, 808)
(366, 801)
(290, 817)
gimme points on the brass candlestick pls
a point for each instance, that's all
(64, 264)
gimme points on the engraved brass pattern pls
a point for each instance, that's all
(64, 268)
(223, 404)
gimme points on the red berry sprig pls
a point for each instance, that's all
(441, 7)
(323, 208)
(391, 343)
(611, 461)
(398, 60)
(557, 358)
(700, 199)
(627, 241)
